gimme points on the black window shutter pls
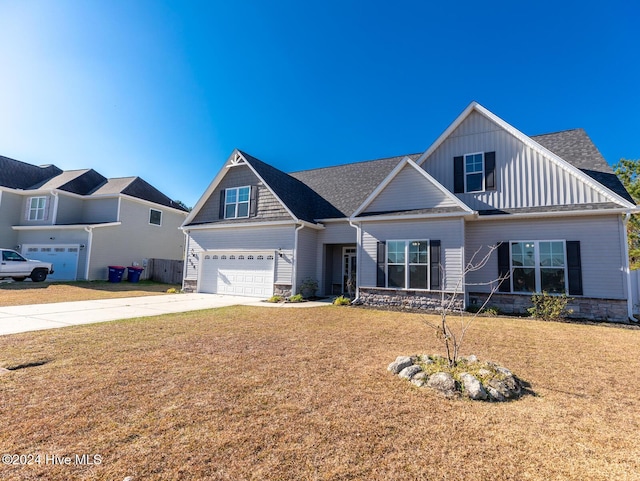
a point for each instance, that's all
(489, 171)
(434, 256)
(381, 277)
(504, 267)
(222, 199)
(574, 264)
(458, 175)
(253, 201)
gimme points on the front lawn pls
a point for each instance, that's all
(27, 292)
(303, 394)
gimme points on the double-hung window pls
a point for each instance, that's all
(408, 264)
(538, 266)
(236, 202)
(37, 206)
(474, 172)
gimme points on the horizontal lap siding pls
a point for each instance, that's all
(449, 232)
(524, 176)
(600, 246)
(409, 190)
(249, 238)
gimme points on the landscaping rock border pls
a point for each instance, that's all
(490, 382)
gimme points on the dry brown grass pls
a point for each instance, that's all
(23, 293)
(303, 394)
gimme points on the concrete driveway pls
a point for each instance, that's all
(37, 317)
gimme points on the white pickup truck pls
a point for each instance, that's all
(18, 268)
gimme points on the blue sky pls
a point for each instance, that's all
(166, 90)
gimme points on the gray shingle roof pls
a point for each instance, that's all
(576, 147)
(329, 192)
(20, 175)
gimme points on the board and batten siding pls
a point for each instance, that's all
(524, 176)
(268, 207)
(602, 256)
(266, 238)
(449, 231)
(409, 190)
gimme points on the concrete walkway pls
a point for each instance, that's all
(37, 317)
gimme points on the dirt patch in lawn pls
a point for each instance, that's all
(303, 394)
(24, 293)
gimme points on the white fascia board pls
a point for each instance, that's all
(235, 159)
(376, 218)
(559, 161)
(64, 227)
(212, 186)
(568, 213)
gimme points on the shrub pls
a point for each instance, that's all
(309, 287)
(275, 299)
(296, 298)
(341, 301)
(173, 290)
(548, 307)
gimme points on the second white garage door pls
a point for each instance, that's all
(237, 273)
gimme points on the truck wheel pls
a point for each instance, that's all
(18, 279)
(38, 275)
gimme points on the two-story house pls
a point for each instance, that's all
(83, 222)
(402, 230)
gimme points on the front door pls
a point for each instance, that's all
(349, 261)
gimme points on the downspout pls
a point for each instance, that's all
(625, 221)
(294, 270)
(55, 207)
(185, 255)
(358, 263)
(89, 230)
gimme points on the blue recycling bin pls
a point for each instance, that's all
(133, 273)
(116, 273)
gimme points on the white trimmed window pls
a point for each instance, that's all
(538, 266)
(236, 202)
(408, 264)
(155, 217)
(474, 172)
(37, 208)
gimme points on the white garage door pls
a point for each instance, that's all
(63, 257)
(237, 273)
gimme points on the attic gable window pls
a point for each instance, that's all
(236, 202)
(474, 172)
(37, 207)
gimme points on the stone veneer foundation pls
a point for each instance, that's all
(400, 299)
(614, 310)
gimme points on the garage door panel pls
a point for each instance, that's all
(63, 257)
(237, 273)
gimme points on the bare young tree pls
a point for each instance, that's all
(452, 334)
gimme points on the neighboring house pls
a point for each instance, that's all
(404, 228)
(83, 222)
